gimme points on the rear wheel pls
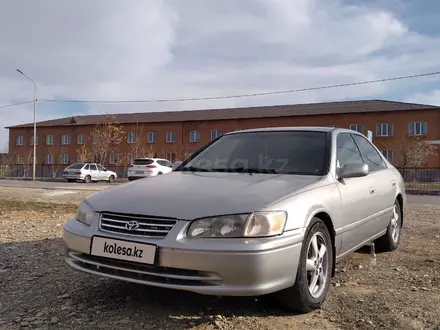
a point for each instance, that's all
(390, 241)
(314, 271)
(111, 179)
(160, 173)
(88, 179)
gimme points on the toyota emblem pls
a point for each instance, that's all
(132, 225)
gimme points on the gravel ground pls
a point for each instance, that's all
(400, 290)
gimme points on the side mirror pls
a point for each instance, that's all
(353, 170)
(176, 165)
(105, 170)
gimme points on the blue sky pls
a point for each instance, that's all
(155, 49)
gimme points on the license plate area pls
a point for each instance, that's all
(139, 172)
(123, 250)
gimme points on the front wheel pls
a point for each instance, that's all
(314, 271)
(111, 179)
(88, 179)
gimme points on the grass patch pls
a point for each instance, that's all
(422, 185)
(7, 205)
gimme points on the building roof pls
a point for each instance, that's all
(308, 109)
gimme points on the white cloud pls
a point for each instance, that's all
(153, 49)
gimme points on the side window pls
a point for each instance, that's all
(100, 168)
(168, 164)
(161, 162)
(369, 154)
(93, 168)
(87, 167)
(347, 151)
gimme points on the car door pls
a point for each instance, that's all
(356, 198)
(383, 183)
(102, 174)
(94, 172)
(169, 166)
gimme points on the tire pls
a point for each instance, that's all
(111, 179)
(160, 173)
(391, 239)
(298, 297)
(88, 179)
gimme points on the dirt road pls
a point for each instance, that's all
(38, 291)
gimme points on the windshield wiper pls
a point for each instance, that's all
(247, 170)
(195, 169)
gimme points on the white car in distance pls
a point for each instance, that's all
(88, 172)
(148, 167)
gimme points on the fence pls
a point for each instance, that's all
(415, 177)
(48, 171)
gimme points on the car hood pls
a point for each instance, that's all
(187, 196)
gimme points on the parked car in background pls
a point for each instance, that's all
(88, 172)
(147, 167)
(254, 212)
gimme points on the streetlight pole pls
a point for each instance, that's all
(35, 124)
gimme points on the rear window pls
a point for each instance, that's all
(143, 161)
(76, 166)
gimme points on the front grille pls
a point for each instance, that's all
(146, 226)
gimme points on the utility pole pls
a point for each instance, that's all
(35, 124)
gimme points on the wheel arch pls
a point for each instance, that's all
(399, 197)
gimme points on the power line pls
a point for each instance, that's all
(15, 104)
(245, 95)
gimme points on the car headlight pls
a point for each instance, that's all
(256, 224)
(85, 213)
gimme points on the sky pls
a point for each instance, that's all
(167, 49)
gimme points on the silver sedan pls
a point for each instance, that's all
(254, 212)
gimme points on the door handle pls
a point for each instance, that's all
(371, 190)
(393, 183)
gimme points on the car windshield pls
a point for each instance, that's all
(277, 152)
(76, 166)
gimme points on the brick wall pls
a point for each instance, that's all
(182, 145)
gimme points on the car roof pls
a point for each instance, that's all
(295, 128)
(152, 158)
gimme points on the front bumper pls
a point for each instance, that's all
(237, 267)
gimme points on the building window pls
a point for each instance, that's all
(111, 158)
(194, 136)
(49, 140)
(65, 159)
(32, 140)
(215, 134)
(19, 140)
(357, 127)
(170, 137)
(131, 138)
(20, 159)
(171, 157)
(78, 158)
(151, 137)
(130, 158)
(384, 129)
(65, 139)
(418, 128)
(80, 139)
(388, 154)
(48, 159)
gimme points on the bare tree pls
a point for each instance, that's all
(106, 137)
(415, 152)
(137, 147)
(6, 160)
(28, 159)
(84, 153)
(56, 156)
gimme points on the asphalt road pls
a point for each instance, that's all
(56, 185)
(412, 199)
